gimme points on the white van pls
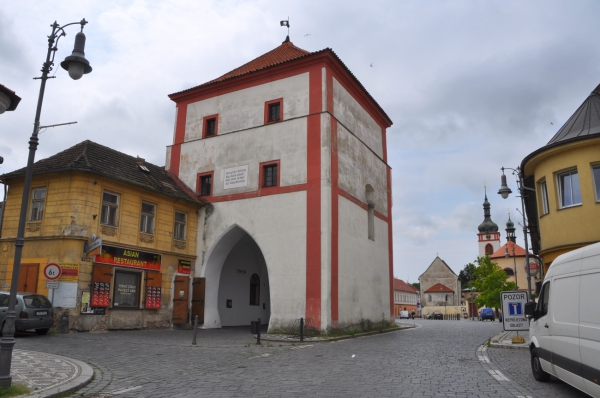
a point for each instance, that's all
(565, 325)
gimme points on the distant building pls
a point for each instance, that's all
(564, 210)
(440, 286)
(290, 152)
(406, 297)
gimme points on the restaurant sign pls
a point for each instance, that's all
(128, 258)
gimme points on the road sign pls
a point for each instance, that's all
(51, 284)
(513, 310)
(52, 271)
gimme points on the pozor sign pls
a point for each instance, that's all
(513, 310)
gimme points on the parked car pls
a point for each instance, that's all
(33, 312)
(487, 313)
(403, 314)
(563, 331)
(437, 315)
(429, 315)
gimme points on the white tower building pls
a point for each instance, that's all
(289, 151)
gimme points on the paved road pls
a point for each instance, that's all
(438, 359)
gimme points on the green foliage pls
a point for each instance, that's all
(490, 281)
(14, 390)
(416, 285)
(466, 276)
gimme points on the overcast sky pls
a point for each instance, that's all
(471, 86)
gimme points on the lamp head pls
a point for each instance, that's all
(504, 189)
(76, 63)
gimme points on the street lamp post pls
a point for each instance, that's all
(504, 191)
(77, 65)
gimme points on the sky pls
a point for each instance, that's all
(471, 86)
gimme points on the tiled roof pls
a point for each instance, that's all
(519, 251)
(286, 52)
(401, 285)
(89, 156)
(438, 287)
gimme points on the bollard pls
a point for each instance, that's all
(64, 322)
(258, 332)
(195, 329)
(301, 330)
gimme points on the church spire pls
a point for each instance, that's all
(487, 225)
(510, 230)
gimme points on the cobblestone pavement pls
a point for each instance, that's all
(437, 359)
(515, 365)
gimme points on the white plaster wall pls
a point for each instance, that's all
(363, 270)
(355, 118)
(358, 166)
(243, 261)
(277, 223)
(285, 141)
(245, 108)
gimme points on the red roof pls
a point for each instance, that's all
(401, 285)
(438, 287)
(287, 51)
(518, 251)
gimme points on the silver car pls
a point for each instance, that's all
(33, 311)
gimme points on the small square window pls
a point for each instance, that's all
(110, 207)
(210, 126)
(274, 110)
(544, 190)
(270, 175)
(147, 219)
(205, 185)
(568, 188)
(596, 177)
(180, 222)
(38, 200)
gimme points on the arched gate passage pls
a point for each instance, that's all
(237, 281)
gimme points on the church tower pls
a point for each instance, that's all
(489, 237)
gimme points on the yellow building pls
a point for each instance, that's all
(122, 231)
(565, 209)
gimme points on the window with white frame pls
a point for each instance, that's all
(596, 177)
(544, 190)
(568, 188)
(147, 219)
(110, 208)
(180, 223)
(38, 200)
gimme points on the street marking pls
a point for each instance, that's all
(483, 359)
(126, 390)
(496, 374)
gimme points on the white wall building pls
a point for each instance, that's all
(289, 150)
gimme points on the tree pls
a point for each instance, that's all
(490, 281)
(466, 276)
(416, 285)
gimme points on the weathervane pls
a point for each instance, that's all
(286, 23)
